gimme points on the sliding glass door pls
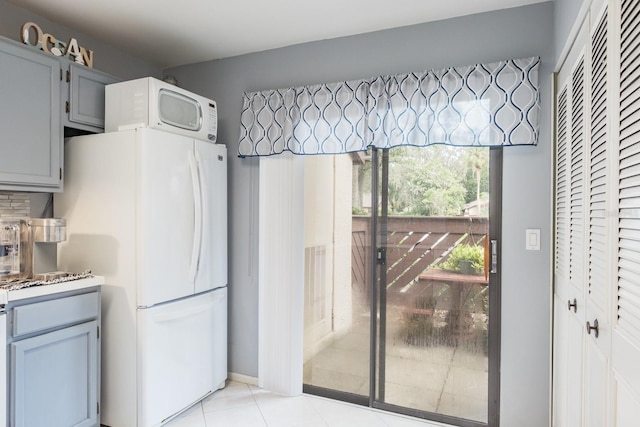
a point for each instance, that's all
(337, 255)
(414, 307)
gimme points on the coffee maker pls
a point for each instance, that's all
(9, 248)
(39, 240)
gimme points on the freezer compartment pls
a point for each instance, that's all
(181, 345)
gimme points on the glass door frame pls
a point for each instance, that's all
(378, 293)
(376, 363)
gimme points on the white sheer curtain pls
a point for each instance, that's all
(281, 274)
(493, 104)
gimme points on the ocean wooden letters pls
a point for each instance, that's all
(31, 34)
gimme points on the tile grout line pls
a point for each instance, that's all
(309, 401)
(255, 401)
(204, 419)
(202, 402)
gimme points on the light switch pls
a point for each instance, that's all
(533, 239)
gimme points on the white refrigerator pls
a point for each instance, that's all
(147, 210)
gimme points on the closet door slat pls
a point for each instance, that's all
(629, 179)
(598, 188)
(576, 188)
(561, 185)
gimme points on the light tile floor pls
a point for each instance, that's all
(242, 405)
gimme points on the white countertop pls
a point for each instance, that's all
(41, 290)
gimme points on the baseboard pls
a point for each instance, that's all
(246, 379)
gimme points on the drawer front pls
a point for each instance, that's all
(44, 315)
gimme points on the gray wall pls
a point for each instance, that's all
(106, 58)
(527, 179)
(565, 14)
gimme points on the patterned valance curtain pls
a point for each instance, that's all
(486, 105)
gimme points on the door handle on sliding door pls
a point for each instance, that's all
(494, 256)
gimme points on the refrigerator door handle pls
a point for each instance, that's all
(197, 229)
(204, 206)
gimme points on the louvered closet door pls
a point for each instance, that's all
(570, 259)
(599, 224)
(626, 331)
(561, 316)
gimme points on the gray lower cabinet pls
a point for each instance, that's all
(30, 127)
(54, 357)
(83, 95)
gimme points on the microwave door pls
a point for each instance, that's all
(181, 111)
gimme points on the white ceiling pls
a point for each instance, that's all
(178, 32)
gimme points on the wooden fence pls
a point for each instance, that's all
(414, 244)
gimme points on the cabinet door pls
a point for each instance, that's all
(30, 136)
(3, 371)
(85, 98)
(54, 378)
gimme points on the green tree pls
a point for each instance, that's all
(433, 181)
(426, 181)
(476, 178)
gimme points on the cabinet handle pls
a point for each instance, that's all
(593, 328)
(573, 305)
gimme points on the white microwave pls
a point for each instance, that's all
(149, 102)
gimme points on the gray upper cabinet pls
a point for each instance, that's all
(30, 126)
(42, 99)
(83, 96)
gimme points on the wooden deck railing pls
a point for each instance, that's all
(414, 244)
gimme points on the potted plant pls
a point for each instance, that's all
(465, 259)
